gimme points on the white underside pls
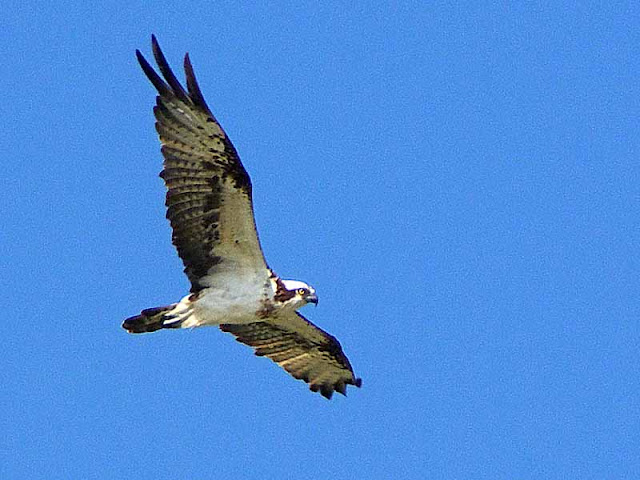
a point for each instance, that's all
(231, 301)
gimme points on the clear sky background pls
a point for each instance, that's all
(460, 183)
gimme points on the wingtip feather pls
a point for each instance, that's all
(326, 391)
(166, 71)
(192, 86)
(154, 78)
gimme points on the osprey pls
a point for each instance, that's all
(210, 209)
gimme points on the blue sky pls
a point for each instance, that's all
(459, 183)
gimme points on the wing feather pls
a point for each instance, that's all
(208, 199)
(192, 85)
(305, 351)
(166, 71)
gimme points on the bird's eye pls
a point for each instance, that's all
(302, 291)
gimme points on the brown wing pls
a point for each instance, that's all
(302, 349)
(209, 192)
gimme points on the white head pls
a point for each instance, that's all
(296, 293)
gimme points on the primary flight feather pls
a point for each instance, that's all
(210, 209)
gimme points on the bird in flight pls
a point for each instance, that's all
(209, 206)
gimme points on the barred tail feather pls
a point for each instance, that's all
(152, 319)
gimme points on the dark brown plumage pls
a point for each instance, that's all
(317, 359)
(210, 209)
(207, 185)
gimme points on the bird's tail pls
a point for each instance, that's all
(153, 319)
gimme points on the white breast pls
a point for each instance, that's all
(230, 299)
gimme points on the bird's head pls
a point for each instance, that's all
(297, 293)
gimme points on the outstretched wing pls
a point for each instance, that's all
(209, 192)
(302, 349)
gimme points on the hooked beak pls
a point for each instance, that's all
(312, 298)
